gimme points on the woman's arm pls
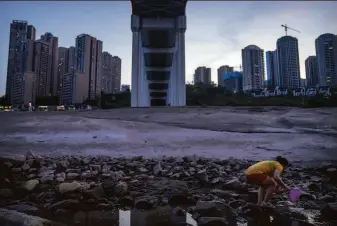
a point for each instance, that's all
(278, 179)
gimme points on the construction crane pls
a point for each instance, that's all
(286, 29)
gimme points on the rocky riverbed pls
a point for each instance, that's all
(74, 190)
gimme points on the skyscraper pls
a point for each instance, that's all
(19, 58)
(253, 68)
(111, 79)
(53, 63)
(89, 65)
(288, 62)
(311, 71)
(326, 52)
(203, 75)
(42, 68)
(66, 64)
(221, 71)
(272, 69)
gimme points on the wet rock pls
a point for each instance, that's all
(69, 187)
(202, 176)
(65, 204)
(73, 171)
(327, 198)
(145, 202)
(97, 168)
(116, 176)
(311, 205)
(44, 172)
(30, 185)
(224, 194)
(25, 167)
(157, 169)
(329, 211)
(315, 187)
(24, 208)
(97, 193)
(236, 203)
(121, 189)
(63, 163)
(126, 201)
(6, 193)
(212, 221)
(233, 184)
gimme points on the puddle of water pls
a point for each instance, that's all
(165, 216)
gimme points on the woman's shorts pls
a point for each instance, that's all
(256, 178)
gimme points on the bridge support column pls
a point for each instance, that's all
(139, 91)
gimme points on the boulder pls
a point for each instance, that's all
(69, 187)
(329, 211)
(30, 185)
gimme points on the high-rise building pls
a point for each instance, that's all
(221, 71)
(53, 64)
(311, 71)
(233, 81)
(272, 69)
(111, 79)
(288, 62)
(253, 68)
(42, 68)
(89, 65)
(326, 53)
(20, 53)
(66, 64)
(203, 75)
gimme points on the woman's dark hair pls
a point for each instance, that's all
(282, 161)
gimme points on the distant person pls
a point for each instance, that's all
(267, 174)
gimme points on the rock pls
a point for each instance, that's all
(233, 184)
(8, 164)
(46, 172)
(47, 179)
(121, 189)
(202, 176)
(314, 187)
(311, 205)
(30, 185)
(23, 208)
(145, 202)
(29, 155)
(213, 209)
(116, 176)
(224, 194)
(65, 204)
(6, 193)
(329, 211)
(106, 169)
(73, 171)
(31, 176)
(126, 201)
(89, 175)
(72, 176)
(143, 170)
(157, 169)
(327, 198)
(69, 187)
(97, 192)
(12, 217)
(63, 163)
(179, 212)
(331, 170)
(16, 170)
(181, 200)
(212, 221)
(97, 168)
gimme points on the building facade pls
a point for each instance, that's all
(326, 53)
(88, 64)
(221, 71)
(311, 71)
(52, 85)
(203, 75)
(272, 69)
(233, 81)
(66, 65)
(19, 59)
(288, 62)
(42, 68)
(111, 73)
(253, 68)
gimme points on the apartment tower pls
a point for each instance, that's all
(311, 71)
(272, 69)
(203, 75)
(253, 68)
(222, 70)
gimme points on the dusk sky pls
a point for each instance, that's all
(216, 31)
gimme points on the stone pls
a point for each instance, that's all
(224, 194)
(30, 185)
(212, 221)
(181, 200)
(73, 171)
(157, 169)
(46, 172)
(329, 211)
(179, 212)
(8, 164)
(89, 175)
(121, 188)
(72, 176)
(29, 155)
(47, 179)
(213, 209)
(143, 170)
(65, 204)
(16, 170)
(145, 202)
(97, 168)
(202, 176)
(116, 176)
(126, 201)
(6, 193)
(97, 192)
(69, 187)
(63, 163)
(327, 198)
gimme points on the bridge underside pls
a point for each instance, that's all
(158, 53)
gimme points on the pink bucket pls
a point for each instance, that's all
(295, 194)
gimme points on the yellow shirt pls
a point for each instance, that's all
(265, 167)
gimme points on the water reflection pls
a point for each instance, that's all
(165, 216)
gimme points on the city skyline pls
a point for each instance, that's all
(222, 47)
